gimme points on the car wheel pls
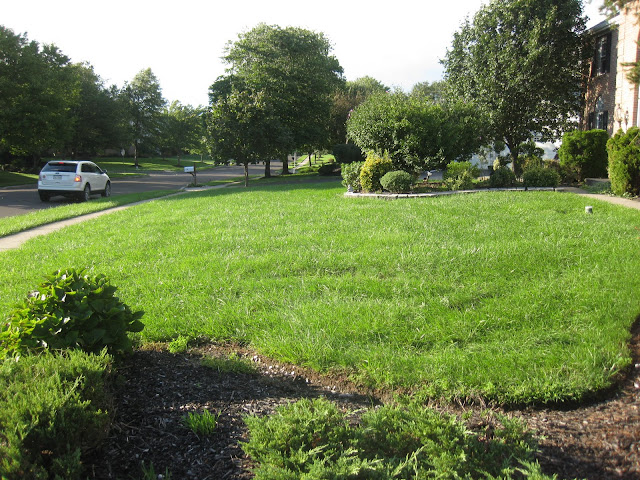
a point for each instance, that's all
(86, 194)
(44, 197)
(107, 190)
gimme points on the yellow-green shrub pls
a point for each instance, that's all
(374, 168)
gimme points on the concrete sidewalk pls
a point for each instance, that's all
(14, 241)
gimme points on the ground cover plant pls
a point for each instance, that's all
(314, 439)
(19, 223)
(52, 410)
(509, 296)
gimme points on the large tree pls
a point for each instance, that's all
(291, 72)
(36, 94)
(142, 101)
(520, 62)
(417, 133)
(181, 128)
(347, 97)
(239, 126)
(95, 114)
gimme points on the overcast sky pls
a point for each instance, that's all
(400, 43)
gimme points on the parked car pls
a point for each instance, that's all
(77, 179)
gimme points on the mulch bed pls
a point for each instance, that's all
(155, 389)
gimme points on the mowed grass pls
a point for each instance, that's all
(19, 223)
(509, 296)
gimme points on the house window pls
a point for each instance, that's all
(602, 58)
(599, 118)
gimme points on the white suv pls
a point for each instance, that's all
(73, 179)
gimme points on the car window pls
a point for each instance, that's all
(60, 167)
(88, 168)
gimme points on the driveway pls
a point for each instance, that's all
(24, 199)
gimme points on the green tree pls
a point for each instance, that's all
(238, 124)
(346, 98)
(142, 103)
(520, 62)
(290, 76)
(181, 129)
(434, 91)
(36, 94)
(95, 114)
(416, 133)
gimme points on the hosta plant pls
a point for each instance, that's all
(71, 310)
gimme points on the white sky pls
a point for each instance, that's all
(399, 43)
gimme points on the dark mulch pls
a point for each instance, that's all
(156, 389)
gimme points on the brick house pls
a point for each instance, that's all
(611, 100)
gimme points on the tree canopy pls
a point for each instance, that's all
(520, 62)
(288, 74)
(36, 94)
(142, 101)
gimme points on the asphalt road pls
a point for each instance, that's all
(24, 199)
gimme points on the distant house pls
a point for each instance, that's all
(611, 100)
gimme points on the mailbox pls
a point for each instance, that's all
(188, 169)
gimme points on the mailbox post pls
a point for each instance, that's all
(192, 171)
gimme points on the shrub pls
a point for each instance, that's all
(397, 181)
(540, 177)
(585, 152)
(624, 162)
(328, 169)
(373, 170)
(457, 169)
(460, 175)
(502, 177)
(347, 153)
(351, 175)
(71, 310)
(52, 410)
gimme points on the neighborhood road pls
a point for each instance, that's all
(24, 199)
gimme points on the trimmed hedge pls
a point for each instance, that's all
(502, 177)
(397, 181)
(540, 177)
(584, 152)
(624, 162)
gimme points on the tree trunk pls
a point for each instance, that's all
(267, 169)
(285, 165)
(135, 154)
(246, 174)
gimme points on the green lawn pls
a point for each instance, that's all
(10, 179)
(19, 223)
(512, 296)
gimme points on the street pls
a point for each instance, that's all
(24, 199)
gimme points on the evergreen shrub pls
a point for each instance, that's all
(502, 177)
(374, 168)
(585, 153)
(52, 411)
(540, 177)
(397, 181)
(347, 153)
(624, 162)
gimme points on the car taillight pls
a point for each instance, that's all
(78, 178)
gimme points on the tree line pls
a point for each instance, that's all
(513, 73)
(49, 105)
